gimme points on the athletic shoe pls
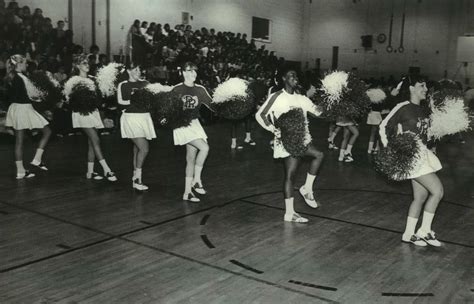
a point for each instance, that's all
(414, 239)
(348, 158)
(199, 189)
(139, 186)
(295, 218)
(191, 198)
(429, 238)
(110, 176)
(41, 166)
(26, 174)
(310, 201)
(94, 176)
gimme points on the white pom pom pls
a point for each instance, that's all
(450, 118)
(334, 84)
(230, 88)
(156, 88)
(77, 80)
(106, 78)
(376, 95)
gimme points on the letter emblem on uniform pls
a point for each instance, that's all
(189, 102)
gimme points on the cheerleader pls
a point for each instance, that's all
(193, 136)
(351, 132)
(277, 104)
(427, 187)
(135, 123)
(21, 114)
(89, 125)
(374, 118)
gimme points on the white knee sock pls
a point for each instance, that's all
(308, 185)
(248, 137)
(426, 223)
(371, 145)
(234, 143)
(20, 169)
(38, 156)
(289, 209)
(138, 174)
(104, 165)
(187, 184)
(411, 225)
(349, 149)
(90, 167)
(341, 153)
(197, 174)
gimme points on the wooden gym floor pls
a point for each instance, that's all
(65, 239)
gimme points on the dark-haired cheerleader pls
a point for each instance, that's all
(277, 104)
(193, 136)
(427, 187)
(21, 115)
(135, 123)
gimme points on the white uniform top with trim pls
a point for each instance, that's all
(277, 104)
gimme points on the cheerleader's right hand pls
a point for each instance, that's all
(163, 121)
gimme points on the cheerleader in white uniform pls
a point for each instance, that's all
(374, 118)
(135, 124)
(277, 104)
(21, 115)
(351, 132)
(193, 136)
(89, 123)
(427, 187)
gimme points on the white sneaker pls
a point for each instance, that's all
(111, 176)
(414, 239)
(308, 199)
(191, 198)
(26, 174)
(429, 238)
(139, 186)
(295, 218)
(94, 175)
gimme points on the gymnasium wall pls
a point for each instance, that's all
(430, 36)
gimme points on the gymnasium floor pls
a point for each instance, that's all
(65, 239)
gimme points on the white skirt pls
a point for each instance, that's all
(344, 122)
(374, 118)
(22, 116)
(92, 120)
(187, 134)
(429, 165)
(137, 125)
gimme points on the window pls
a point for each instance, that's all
(261, 29)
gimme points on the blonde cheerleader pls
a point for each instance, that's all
(22, 116)
(83, 97)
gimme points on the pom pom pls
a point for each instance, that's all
(81, 94)
(447, 118)
(33, 92)
(342, 97)
(403, 155)
(50, 88)
(376, 95)
(156, 88)
(233, 99)
(108, 77)
(294, 129)
(333, 86)
(168, 110)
